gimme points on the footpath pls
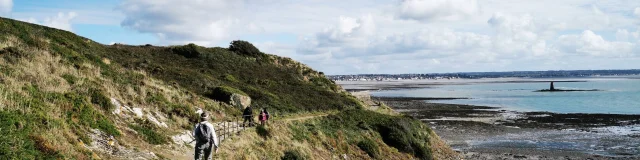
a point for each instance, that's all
(225, 130)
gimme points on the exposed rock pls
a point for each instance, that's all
(232, 96)
(125, 111)
(184, 138)
(153, 119)
(240, 101)
(138, 112)
(110, 146)
(118, 108)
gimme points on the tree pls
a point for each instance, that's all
(244, 48)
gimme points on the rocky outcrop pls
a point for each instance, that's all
(232, 96)
(240, 101)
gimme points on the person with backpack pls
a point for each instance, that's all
(267, 113)
(262, 117)
(206, 138)
(247, 114)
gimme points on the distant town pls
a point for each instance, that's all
(476, 75)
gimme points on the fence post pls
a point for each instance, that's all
(225, 130)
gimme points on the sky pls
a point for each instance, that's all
(369, 36)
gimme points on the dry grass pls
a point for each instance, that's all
(45, 71)
(250, 145)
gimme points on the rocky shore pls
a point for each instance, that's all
(481, 132)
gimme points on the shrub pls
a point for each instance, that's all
(223, 93)
(70, 78)
(403, 133)
(43, 145)
(190, 50)
(370, 147)
(13, 54)
(229, 78)
(149, 133)
(292, 155)
(182, 110)
(98, 97)
(83, 114)
(244, 48)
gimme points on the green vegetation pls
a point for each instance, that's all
(46, 118)
(223, 93)
(245, 48)
(369, 146)
(293, 155)
(148, 131)
(98, 97)
(70, 78)
(268, 84)
(190, 50)
(16, 140)
(263, 131)
(82, 114)
(403, 133)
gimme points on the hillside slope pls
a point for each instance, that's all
(65, 96)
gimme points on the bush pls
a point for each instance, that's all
(98, 97)
(149, 133)
(370, 147)
(43, 145)
(83, 114)
(292, 155)
(403, 133)
(182, 110)
(223, 93)
(70, 78)
(244, 48)
(229, 78)
(190, 50)
(13, 54)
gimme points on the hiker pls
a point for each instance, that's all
(206, 138)
(267, 113)
(247, 114)
(262, 117)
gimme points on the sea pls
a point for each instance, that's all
(617, 95)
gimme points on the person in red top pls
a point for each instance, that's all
(262, 117)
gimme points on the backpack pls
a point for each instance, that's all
(203, 133)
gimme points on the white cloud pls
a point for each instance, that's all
(430, 10)
(592, 44)
(402, 36)
(176, 21)
(5, 6)
(60, 21)
(352, 37)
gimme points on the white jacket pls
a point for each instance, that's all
(213, 132)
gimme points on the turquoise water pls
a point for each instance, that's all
(619, 95)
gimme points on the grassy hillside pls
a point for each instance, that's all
(64, 96)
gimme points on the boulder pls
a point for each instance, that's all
(231, 96)
(240, 101)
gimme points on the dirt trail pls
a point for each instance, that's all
(188, 153)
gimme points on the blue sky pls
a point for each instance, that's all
(365, 36)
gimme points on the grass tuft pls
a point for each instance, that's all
(293, 155)
(370, 147)
(148, 131)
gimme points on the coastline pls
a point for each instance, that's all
(483, 132)
(462, 125)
